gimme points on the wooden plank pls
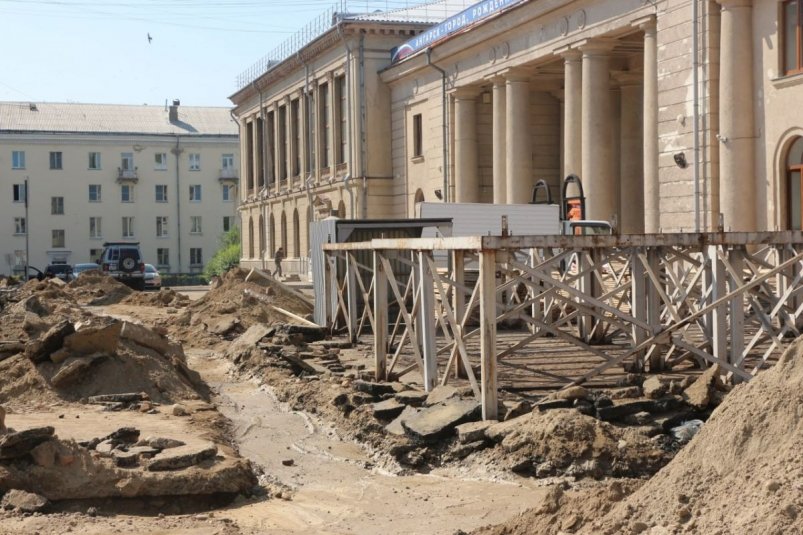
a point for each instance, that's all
(426, 322)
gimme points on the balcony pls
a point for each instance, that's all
(127, 175)
(228, 175)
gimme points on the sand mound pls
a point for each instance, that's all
(567, 510)
(166, 297)
(742, 473)
(95, 288)
(565, 442)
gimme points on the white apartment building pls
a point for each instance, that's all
(166, 177)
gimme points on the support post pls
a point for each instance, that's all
(489, 401)
(459, 302)
(638, 304)
(719, 319)
(654, 308)
(381, 319)
(426, 322)
(736, 259)
(352, 289)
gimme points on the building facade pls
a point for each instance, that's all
(164, 177)
(316, 130)
(678, 115)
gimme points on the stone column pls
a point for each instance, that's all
(572, 113)
(518, 147)
(599, 183)
(499, 140)
(277, 148)
(290, 142)
(737, 190)
(466, 170)
(631, 163)
(652, 209)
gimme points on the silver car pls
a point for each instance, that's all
(152, 277)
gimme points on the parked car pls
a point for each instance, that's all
(34, 273)
(123, 261)
(83, 268)
(62, 271)
(152, 277)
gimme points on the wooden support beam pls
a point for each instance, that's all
(488, 335)
(381, 318)
(352, 272)
(426, 322)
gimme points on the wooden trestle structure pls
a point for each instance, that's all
(648, 301)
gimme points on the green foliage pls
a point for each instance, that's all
(227, 256)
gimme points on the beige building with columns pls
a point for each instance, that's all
(315, 129)
(672, 112)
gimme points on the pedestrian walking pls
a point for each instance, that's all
(277, 259)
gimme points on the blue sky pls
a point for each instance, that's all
(97, 51)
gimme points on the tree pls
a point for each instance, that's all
(227, 256)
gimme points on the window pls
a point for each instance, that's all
(94, 160)
(18, 159)
(227, 162)
(160, 161)
(55, 160)
(227, 223)
(161, 226)
(127, 161)
(19, 225)
(343, 116)
(195, 224)
(418, 140)
(94, 254)
(195, 162)
(94, 193)
(19, 257)
(228, 193)
(57, 205)
(126, 193)
(794, 184)
(196, 258)
(323, 94)
(295, 135)
(161, 193)
(19, 192)
(128, 227)
(281, 143)
(94, 228)
(792, 37)
(195, 193)
(163, 257)
(57, 238)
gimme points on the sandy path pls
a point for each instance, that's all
(335, 487)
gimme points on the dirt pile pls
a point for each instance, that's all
(742, 473)
(233, 304)
(566, 508)
(95, 288)
(118, 465)
(166, 297)
(51, 349)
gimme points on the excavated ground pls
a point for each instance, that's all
(333, 451)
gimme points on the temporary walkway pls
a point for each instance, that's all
(645, 301)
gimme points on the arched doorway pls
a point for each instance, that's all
(250, 237)
(261, 236)
(341, 209)
(794, 187)
(308, 223)
(271, 234)
(296, 234)
(284, 231)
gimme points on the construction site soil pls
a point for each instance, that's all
(129, 412)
